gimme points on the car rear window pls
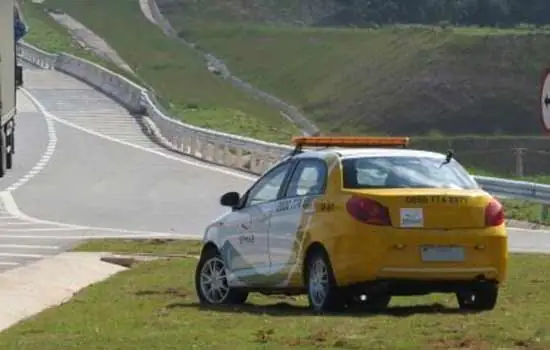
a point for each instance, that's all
(405, 172)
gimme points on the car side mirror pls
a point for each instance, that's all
(230, 199)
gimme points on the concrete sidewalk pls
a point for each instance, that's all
(30, 289)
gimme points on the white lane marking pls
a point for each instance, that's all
(511, 230)
(51, 117)
(8, 263)
(11, 207)
(50, 149)
(87, 237)
(22, 255)
(40, 229)
(29, 246)
(4, 224)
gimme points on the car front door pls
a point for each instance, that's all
(250, 261)
(290, 221)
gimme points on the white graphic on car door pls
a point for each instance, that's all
(251, 239)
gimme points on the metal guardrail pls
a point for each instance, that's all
(515, 189)
(237, 152)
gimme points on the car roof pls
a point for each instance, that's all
(345, 153)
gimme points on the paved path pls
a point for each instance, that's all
(85, 169)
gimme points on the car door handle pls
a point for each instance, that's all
(245, 227)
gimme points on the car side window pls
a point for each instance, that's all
(267, 189)
(309, 179)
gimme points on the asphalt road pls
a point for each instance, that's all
(85, 169)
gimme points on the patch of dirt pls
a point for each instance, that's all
(182, 293)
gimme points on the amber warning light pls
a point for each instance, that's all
(350, 141)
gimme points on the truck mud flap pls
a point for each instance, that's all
(18, 76)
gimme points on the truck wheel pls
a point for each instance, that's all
(9, 154)
(3, 153)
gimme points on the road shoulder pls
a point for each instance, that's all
(30, 289)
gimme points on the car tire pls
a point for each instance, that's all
(3, 152)
(480, 298)
(9, 154)
(322, 291)
(211, 271)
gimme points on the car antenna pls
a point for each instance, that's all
(448, 157)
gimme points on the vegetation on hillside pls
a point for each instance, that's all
(361, 13)
(414, 80)
(177, 73)
(463, 12)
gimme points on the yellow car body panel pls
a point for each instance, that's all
(360, 252)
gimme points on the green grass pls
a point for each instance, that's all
(177, 73)
(389, 80)
(146, 246)
(153, 306)
(397, 79)
(328, 68)
(47, 34)
(542, 179)
(346, 79)
(525, 211)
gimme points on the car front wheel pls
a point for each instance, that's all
(211, 281)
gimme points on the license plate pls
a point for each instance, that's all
(442, 253)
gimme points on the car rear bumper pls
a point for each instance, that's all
(398, 255)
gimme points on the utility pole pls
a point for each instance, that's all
(519, 153)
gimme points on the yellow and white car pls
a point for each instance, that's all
(355, 221)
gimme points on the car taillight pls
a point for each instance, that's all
(368, 211)
(494, 214)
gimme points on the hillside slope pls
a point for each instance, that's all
(393, 80)
(177, 73)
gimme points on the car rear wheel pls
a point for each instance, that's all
(480, 298)
(322, 291)
(211, 281)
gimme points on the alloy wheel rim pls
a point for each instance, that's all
(318, 283)
(213, 281)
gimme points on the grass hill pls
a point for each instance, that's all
(396, 80)
(177, 74)
(412, 80)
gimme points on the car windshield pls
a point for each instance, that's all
(405, 172)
